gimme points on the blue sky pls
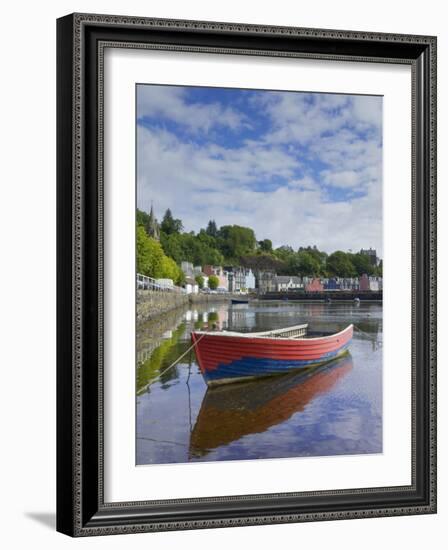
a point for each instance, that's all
(299, 168)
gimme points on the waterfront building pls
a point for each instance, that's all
(288, 282)
(191, 286)
(210, 270)
(249, 283)
(219, 272)
(314, 286)
(375, 284)
(364, 283)
(332, 284)
(188, 269)
(231, 278)
(197, 272)
(240, 279)
(205, 278)
(265, 281)
(349, 283)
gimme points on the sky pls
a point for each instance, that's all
(299, 168)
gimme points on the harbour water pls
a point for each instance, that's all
(332, 410)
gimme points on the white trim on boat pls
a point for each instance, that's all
(268, 333)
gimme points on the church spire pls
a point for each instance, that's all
(153, 228)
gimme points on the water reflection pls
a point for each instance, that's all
(334, 410)
(230, 412)
(166, 350)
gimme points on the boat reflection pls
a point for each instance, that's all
(230, 412)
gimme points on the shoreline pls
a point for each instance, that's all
(151, 304)
(257, 301)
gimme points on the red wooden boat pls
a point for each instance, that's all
(233, 356)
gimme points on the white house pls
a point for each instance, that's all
(283, 283)
(374, 283)
(250, 280)
(191, 286)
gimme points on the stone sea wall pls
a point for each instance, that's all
(205, 298)
(151, 333)
(151, 304)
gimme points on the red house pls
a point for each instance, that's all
(314, 286)
(364, 283)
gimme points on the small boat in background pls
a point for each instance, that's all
(236, 301)
(226, 356)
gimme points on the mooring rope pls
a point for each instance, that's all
(189, 396)
(370, 337)
(173, 364)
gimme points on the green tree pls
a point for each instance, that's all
(379, 269)
(151, 260)
(170, 270)
(305, 264)
(362, 264)
(265, 245)
(284, 252)
(263, 262)
(172, 246)
(200, 280)
(212, 230)
(213, 282)
(142, 218)
(287, 256)
(235, 241)
(169, 224)
(149, 255)
(320, 257)
(339, 264)
(198, 249)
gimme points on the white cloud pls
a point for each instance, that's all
(346, 178)
(284, 183)
(210, 182)
(170, 102)
(368, 110)
(302, 118)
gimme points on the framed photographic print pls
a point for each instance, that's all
(246, 274)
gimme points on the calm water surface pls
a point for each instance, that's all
(332, 410)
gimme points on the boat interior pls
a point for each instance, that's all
(295, 332)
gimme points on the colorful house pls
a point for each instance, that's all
(218, 271)
(314, 286)
(364, 282)
(332, 284)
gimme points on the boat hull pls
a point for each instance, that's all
(224, 359)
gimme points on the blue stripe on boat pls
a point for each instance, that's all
(255, 366)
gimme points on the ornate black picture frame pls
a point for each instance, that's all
(81, 509)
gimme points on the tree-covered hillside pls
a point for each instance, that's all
(236, 245)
